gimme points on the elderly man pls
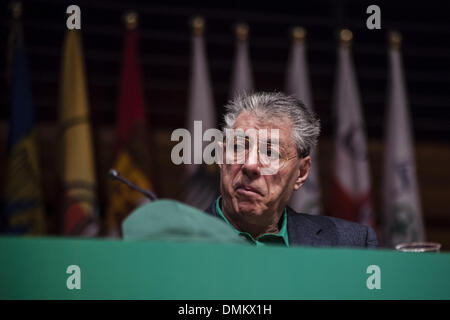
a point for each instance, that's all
(256, 190)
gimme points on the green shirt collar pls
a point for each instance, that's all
(266, 239)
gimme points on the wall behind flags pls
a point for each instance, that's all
(164, 49)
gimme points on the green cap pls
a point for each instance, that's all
(168, 220)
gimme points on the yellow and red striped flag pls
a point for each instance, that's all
(80, 215)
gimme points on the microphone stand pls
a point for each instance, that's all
(113, 174)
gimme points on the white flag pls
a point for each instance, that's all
(201, 105)
(351, 188)
(242, 76)
(402, 210)
(307, 198)
(201, 187)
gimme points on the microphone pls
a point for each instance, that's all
(115, 175)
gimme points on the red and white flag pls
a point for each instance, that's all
(133, 155)
(307, 198)
(351, 185)
(402, 217)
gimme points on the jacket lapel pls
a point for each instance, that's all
(302, 231)
(307, 230)
(212, 209)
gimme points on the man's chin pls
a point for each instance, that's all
(248, 208)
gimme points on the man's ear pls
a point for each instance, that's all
(302, 172)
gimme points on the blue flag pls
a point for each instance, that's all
(23, 211)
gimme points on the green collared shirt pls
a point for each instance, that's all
(280, 238)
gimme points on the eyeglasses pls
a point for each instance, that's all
(268, 154)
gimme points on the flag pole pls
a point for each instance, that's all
(131, 20)
(242, 31)
(198, 25)
(298, 34)
(15, 35)
(345, 38)
(395, 40)
(16, 9)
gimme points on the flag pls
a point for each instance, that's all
(351, 179)
(201, 186)
(80, 214)
(201, 104)
(242, 80)
(23, 210)
(402, 217)
(133, 157)
(307, 198)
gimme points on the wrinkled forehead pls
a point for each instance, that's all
(247, 121)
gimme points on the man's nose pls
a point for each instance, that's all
(251, 166)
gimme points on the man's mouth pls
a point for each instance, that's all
(247, 190)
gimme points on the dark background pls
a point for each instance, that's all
(165, 53)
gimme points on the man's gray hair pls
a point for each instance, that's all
(305, 124)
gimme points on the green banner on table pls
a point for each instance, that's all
(54, 268)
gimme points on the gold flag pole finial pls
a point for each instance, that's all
(298, 34)
(131, 20)
(242, 31)
(395, 40)
(198, 25)
(16, 9)
(345, 37)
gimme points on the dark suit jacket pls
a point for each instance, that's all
(309, 230)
